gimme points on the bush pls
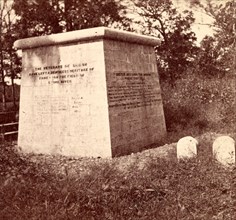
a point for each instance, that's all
(200, 104)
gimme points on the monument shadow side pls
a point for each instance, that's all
(91, 92)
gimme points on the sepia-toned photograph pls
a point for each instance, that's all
(117, 109)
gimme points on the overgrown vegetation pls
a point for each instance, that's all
(198, 105)
(146, 185)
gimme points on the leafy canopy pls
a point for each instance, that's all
(217, 54)
(39, 17)
(177, 49)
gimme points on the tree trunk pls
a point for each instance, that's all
(3, 81)
(12, 80)
(69, 23)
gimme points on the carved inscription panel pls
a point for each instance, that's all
(132, 90)
(60, 74)
(57, 104)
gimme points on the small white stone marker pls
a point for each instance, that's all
(186, 147)
(224, 150)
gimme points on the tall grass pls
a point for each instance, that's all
(139, 186)
(198, 104)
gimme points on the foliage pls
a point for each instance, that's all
(139, 186)
(87, 14)
(66, 15)
(207, 62)
(225, 22)
(217, 54)
(177, 48)
(9, 61)
(200, 103)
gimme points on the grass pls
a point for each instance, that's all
(146, 185)
(198, 103)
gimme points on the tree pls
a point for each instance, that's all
(9, 61)
(217, 55)
(207, 62)
(177, 49)
(91, 13)
(2, 16)
(37, 17)
(225, 23)
(66, 15)
(5, 23)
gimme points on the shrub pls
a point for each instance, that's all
(200, 104)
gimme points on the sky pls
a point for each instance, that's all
(202, 25)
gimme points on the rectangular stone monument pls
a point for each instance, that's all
(91, 92)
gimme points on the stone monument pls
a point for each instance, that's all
(92, 92)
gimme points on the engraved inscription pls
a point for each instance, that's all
(59, 104)
(61, 74)
(133, 90)
(46, 106)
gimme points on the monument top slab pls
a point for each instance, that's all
(85, 35)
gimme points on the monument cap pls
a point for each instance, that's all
(86, 35)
